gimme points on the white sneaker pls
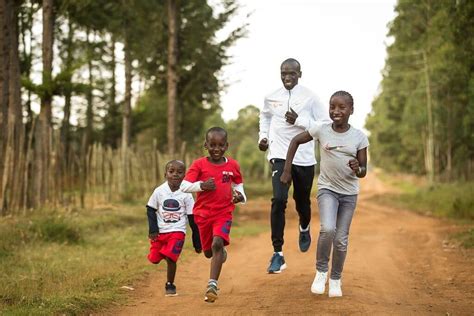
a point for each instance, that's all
(319, 283)
(335, 288)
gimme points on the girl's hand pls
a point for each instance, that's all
(237, 197)
(354, 165)
(285, 178)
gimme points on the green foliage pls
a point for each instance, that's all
(398, 122)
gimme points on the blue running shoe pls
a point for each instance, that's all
(277, 264)
(304, 240)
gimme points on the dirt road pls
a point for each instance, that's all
(398, 263)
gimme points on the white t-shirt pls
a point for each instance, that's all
(336, 150)
(279, 133)
(172, 208)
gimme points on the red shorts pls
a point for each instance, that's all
(167, 245)
(213, 226)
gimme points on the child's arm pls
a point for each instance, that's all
(195, 234)
(189, 206)
(238, 193)
(299, 139)
(359, 165)
(198, 186)
(153, 230)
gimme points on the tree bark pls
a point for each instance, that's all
(172, 75)
(43, 133)
(5, 25)
(15, 109)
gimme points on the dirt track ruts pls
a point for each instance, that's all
(398, 263)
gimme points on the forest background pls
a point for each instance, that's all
(75, 137)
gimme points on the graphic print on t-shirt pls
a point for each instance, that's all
(227, 176)
(170, 209)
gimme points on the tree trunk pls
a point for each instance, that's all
(126, 120)
(43, 133)
(127, 104)
(5, 25)
(15, 120)
(90, 96)
(172, 75)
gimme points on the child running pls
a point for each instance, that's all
(166, 210)
(343, 150)
(219, 185)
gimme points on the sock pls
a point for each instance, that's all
(212, 281)
(280, 253)
(304, 230)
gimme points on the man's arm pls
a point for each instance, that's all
(319, 115)
(264, 126)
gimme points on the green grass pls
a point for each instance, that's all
(445, 200)
(75, 263)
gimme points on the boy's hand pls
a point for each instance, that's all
(285, 178)
(208, 185)
(237, 197)
(198, 250)
(354, 165)
(263, 144)
(153, 236)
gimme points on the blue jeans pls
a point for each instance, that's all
(335, 212)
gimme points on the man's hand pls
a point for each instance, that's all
(286, 178)
(237, 197)
(263, 145)
(208, 185)
(153, 236)
(291, 116)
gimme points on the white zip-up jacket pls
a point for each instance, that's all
(279, 133)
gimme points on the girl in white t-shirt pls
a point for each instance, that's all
(343, 150)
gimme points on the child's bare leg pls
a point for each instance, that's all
(171, 272)
(217, 257)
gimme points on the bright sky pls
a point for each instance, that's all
(340, 45)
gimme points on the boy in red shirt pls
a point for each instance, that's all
(218, 183)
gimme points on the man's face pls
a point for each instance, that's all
(290, 73)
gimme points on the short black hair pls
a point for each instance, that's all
(345, 94)
(291, 60)
(216, 129)
(169, 163)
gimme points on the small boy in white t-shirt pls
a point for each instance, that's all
(168, 211)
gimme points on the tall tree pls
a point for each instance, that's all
(172, 74)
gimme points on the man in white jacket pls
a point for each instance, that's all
(286, 112)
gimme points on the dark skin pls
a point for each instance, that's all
(290, 73)
(216, 145)
(340, 110)
(174, 174)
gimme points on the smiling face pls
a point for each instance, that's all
(216, 145)
(290, 73)
(175, 171)
(340, 108)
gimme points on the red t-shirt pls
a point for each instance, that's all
(220, 200)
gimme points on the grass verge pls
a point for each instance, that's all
(76, 263)
(445, 200)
